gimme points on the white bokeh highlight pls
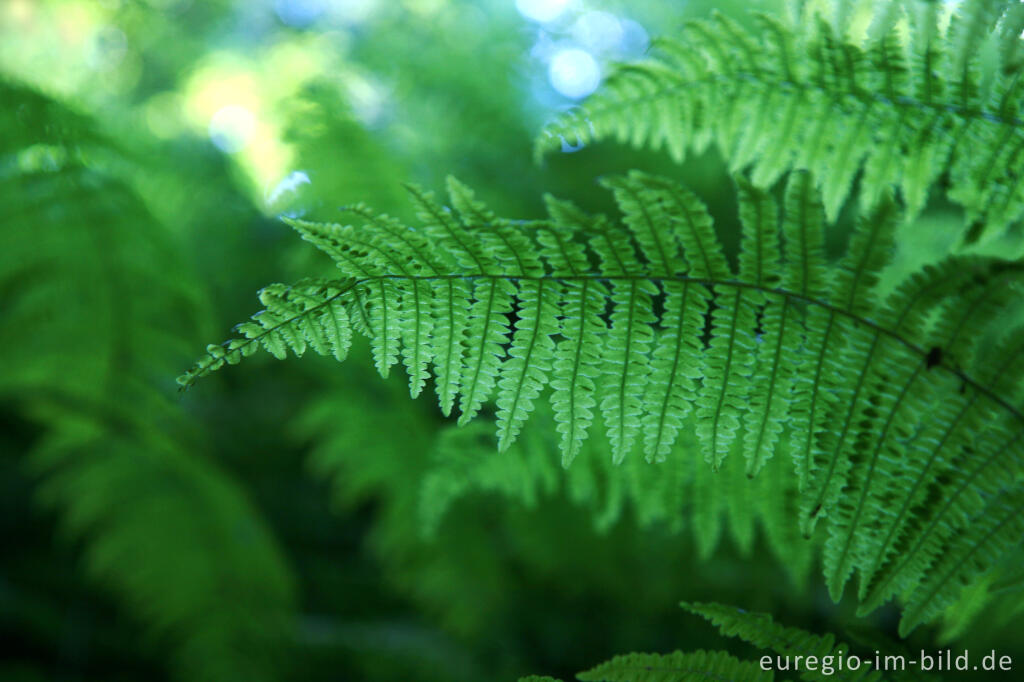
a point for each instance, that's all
(598, 32)
(542, 11)
(574, 72)
(231, 128)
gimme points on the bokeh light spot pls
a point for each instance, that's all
(542, 11)
(574, 73)
(352, 12)
(231, 128)
(634, 38)
(598, 32)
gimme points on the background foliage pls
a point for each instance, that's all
(298, 520)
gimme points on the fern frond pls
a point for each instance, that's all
(646, 327)
(763, 632)
(806, 97)
(815, 658)
(696, 666)
(578, 355)
(95, 298)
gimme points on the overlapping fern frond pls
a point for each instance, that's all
(902, 104)
(644, 325)
(681, 493)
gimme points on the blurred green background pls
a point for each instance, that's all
(270, 524)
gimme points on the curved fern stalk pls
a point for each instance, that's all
(789, 97)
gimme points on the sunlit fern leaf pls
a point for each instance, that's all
(577, 356)
(648, 322)
(903, 109)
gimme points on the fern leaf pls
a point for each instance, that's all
(525, 372)
(760, 630)
(999, 528)
(671, 388)
(870, 250)
(675, 667)
(877, 404)
(810, 97)
(889, 388)
(576, 366)
(915, 528)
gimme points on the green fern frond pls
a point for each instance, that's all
(695, 666)
(648, 322)
(811, 657)
(804, 97)
(95, 300)
(763, 632)
(160, 527)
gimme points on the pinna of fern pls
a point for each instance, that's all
(806, 655)
(900, 107)
(644, 324)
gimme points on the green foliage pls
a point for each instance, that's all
(789, 339)
(900, 105)
(675, 667)
(814, 658)
(810, 379)
(763, 632)
(93, 316)
(680, 493)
